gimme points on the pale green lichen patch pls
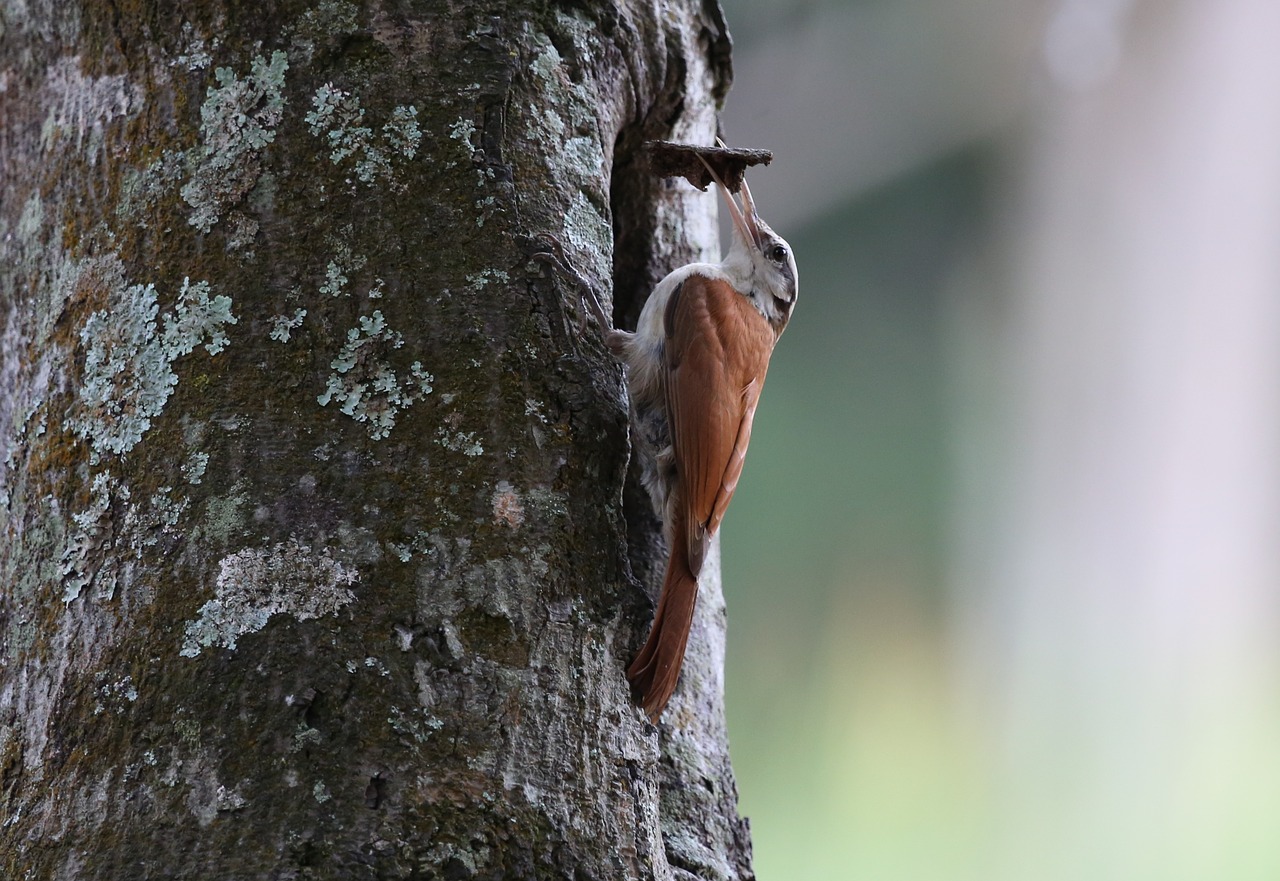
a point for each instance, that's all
(194, 56)
(141, 190)
(113, 695)
(553, 122)
(584, 158)
(568, 128)
(478, 281)
(128, 376)
(547, 64)
(196, 318)
(402, 134)
(463, 442)
(337, 117)
(306, 736)
(366, 388)
(423, 543)
(585, 229)
(222, 517)
(162, 516)
(81, 555)
(255, 584)
(343, 261)
(417, 724)
(227, 800)
(31, 220)
(375, 664)
(462, 130)
(283, 326)
(238, 121)
(114, 527)
(193, 469)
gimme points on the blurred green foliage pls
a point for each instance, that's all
(848, 763)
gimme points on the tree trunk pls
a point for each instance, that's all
(319, 541)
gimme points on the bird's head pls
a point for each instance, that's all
(760, 264)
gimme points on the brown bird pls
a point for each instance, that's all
(695, 367)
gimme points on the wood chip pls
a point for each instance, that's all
(681, 160)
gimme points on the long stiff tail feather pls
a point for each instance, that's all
(656, 670)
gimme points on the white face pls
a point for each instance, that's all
(775, 265)
(761, 261)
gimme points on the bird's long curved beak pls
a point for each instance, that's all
(744, 222)
(750, 218)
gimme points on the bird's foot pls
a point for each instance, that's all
(555, 256)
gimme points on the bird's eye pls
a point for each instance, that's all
(778, 254)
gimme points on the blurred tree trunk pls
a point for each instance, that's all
(318, 546)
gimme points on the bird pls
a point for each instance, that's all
(695, 368)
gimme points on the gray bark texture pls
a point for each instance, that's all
(320, 554)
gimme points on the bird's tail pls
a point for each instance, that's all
(656, 670)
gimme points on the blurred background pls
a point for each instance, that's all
(1003, 570)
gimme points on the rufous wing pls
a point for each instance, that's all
(717, 351)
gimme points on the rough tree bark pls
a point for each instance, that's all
(319, 558)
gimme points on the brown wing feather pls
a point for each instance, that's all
(717, 355)
(733, 471)
(717, 351)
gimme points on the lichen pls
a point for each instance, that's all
(113, 695)
(81, 556)
(222, 517)
(238, 121)
(160, 517)
(196, 318)
(31, 220)
(227, 800)
(460, 442)
(337, 117)
(584, 157)
(547, 64)
(321, 23)
(127, 378)
(128, 375)
(366, 388)
(462, 130)
(194, 56)
(485, 277)
(255, 584)
(193, 469)
(585, 229)
(342, 262)
(417, 724)
(141, 190)
(401, 133)
(304, 737)
(570, 110)
(282, 326)
(372, 663)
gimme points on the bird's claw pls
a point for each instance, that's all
(555, 256)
